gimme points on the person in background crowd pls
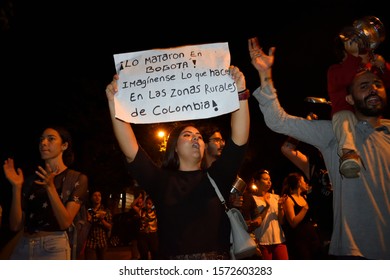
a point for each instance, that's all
(37, 203)
(263, 211)
(356, 234)
(303, 240)
(320, 195)
(214, 144)
(192, 222)
(134, 222)
(100, 219)
(148, 238)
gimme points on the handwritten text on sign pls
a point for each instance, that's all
(183, 83)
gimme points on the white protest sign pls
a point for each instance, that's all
(175, 84)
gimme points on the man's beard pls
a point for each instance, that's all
(370, 111)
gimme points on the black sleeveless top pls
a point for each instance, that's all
(303, 241)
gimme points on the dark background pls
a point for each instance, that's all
(57, 58)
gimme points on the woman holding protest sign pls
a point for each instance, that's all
(192, 222)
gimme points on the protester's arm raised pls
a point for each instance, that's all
(262, 62)
(122, 130)
(240, 120)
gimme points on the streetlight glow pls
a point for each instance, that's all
(162, 135)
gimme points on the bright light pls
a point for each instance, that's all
(161, 134)
(254, 188)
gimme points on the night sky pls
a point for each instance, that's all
(56, 60)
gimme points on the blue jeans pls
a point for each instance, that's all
(52, 246)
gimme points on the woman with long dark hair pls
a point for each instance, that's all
(192, 222)
(40, 207)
